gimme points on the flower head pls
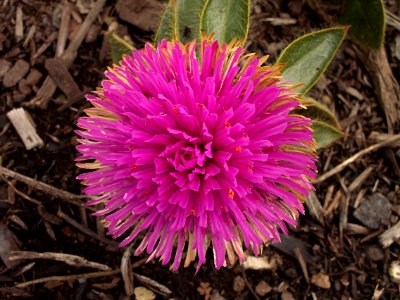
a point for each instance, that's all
(196, 149)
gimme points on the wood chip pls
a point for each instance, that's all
(62, 78)
(141, 293)
(33, 77)
(7, 245)
(238, 284)
(286, 295)
(49, 230)
(25, 128)
(19, 24)
(263, 288)
(356, 229)
(16, 73)
(17, 220)
(390, 236)
(280, 21)
(375, 253)
(49, 87)
(29, 36)
(321, 280)
(143, 14)
(394, 271)
(260, 263)
(4, 67)
(355, 93)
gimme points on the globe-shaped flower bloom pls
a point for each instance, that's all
(194, 148)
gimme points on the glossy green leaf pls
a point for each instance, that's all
(168, 25)
(325, 125)
(228, 19)
(307, 58)
(118, 47)
(367, 21)
(325, 134)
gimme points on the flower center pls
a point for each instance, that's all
(188, 161)
(185, 159)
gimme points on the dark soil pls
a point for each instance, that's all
(353, 260)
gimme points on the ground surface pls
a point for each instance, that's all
(339, 256)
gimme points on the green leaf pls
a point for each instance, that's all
(324, 123)
(189, 12)
(317, 111)
(228, 19)
(182, 19)
(367, 20)
(168, 25)
(307, 58)
(324, 134)
(118, 47)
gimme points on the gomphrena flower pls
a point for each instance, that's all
(193, 148)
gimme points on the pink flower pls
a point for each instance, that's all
(198, 149)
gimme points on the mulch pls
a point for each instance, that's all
(337, 250)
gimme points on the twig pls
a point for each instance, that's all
(23, 195)
(355, 157)
(315, 207)
(392, 20)
(152, 284)
(126, 271)
(72, 260)
(249, 285)
(48, 88)
(68, 277)
(302, 263)
(87, 231)
(377, 137)
(46, 45)
(79, 276)
(360, 179)
(46, 188)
